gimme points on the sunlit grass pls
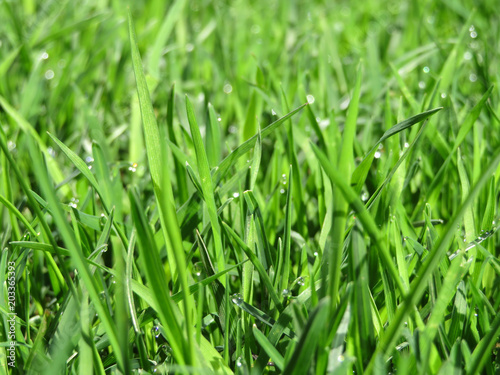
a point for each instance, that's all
(263, 187)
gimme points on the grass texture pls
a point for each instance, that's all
(267, 187)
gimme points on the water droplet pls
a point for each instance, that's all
(232, 129)
(443, 95)
(407, 145)
(90, 167)
(156, 331)
(239, 362)
(472, 77)
(421, 85)
(310, 99)
(44, 56)
(282, 191)
(273, 112)
(228, 88)
(236, 195)
(301, 281)
(189, 47)
(237, 299)
(285, 293)
(11, 145)
(377, 154)
(315, 254)
(74, 202)
(467, 55)
(426, 69)
(89, 159)
(49, 74)
(406, 324)
(364, 196)
(133, 167)
(51, 152)
(340, 358)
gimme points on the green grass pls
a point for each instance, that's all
(250, 187)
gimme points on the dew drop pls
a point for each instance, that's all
(364, 196)
(421, 85)
(282, 191)
(315, 254)
(285, 293)
(273, 112)
(472, 77)
(467, 55)
(236, 195)
(49, 74)
(443, 95)
(426, 69)
(228, 88)
(89, 159)
(156, 331)
(340, 358)
(44, 56)
(239, 362)
(301, 281)
(377, 154)
(237, 299)
(310, 99)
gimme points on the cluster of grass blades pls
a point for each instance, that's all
(264, 188)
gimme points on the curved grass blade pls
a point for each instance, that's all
(162, 186)
(257, 264)
(418, 286)
(361, 171)
(305, 348)
(239, 151)
(206, 185)
(362, 214)
(271, 351)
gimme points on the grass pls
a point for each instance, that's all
(265, 187)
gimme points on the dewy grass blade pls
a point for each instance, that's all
(260, 269)
(151, 264)
(418, 286)
(362, 214)
(206, 185)
(239, 151)
(361, 171)
(76, 252)
(163, 189)
(345, 165)
(271, 351)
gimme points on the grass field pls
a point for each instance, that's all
(219, 187)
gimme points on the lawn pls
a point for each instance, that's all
(265, 187)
